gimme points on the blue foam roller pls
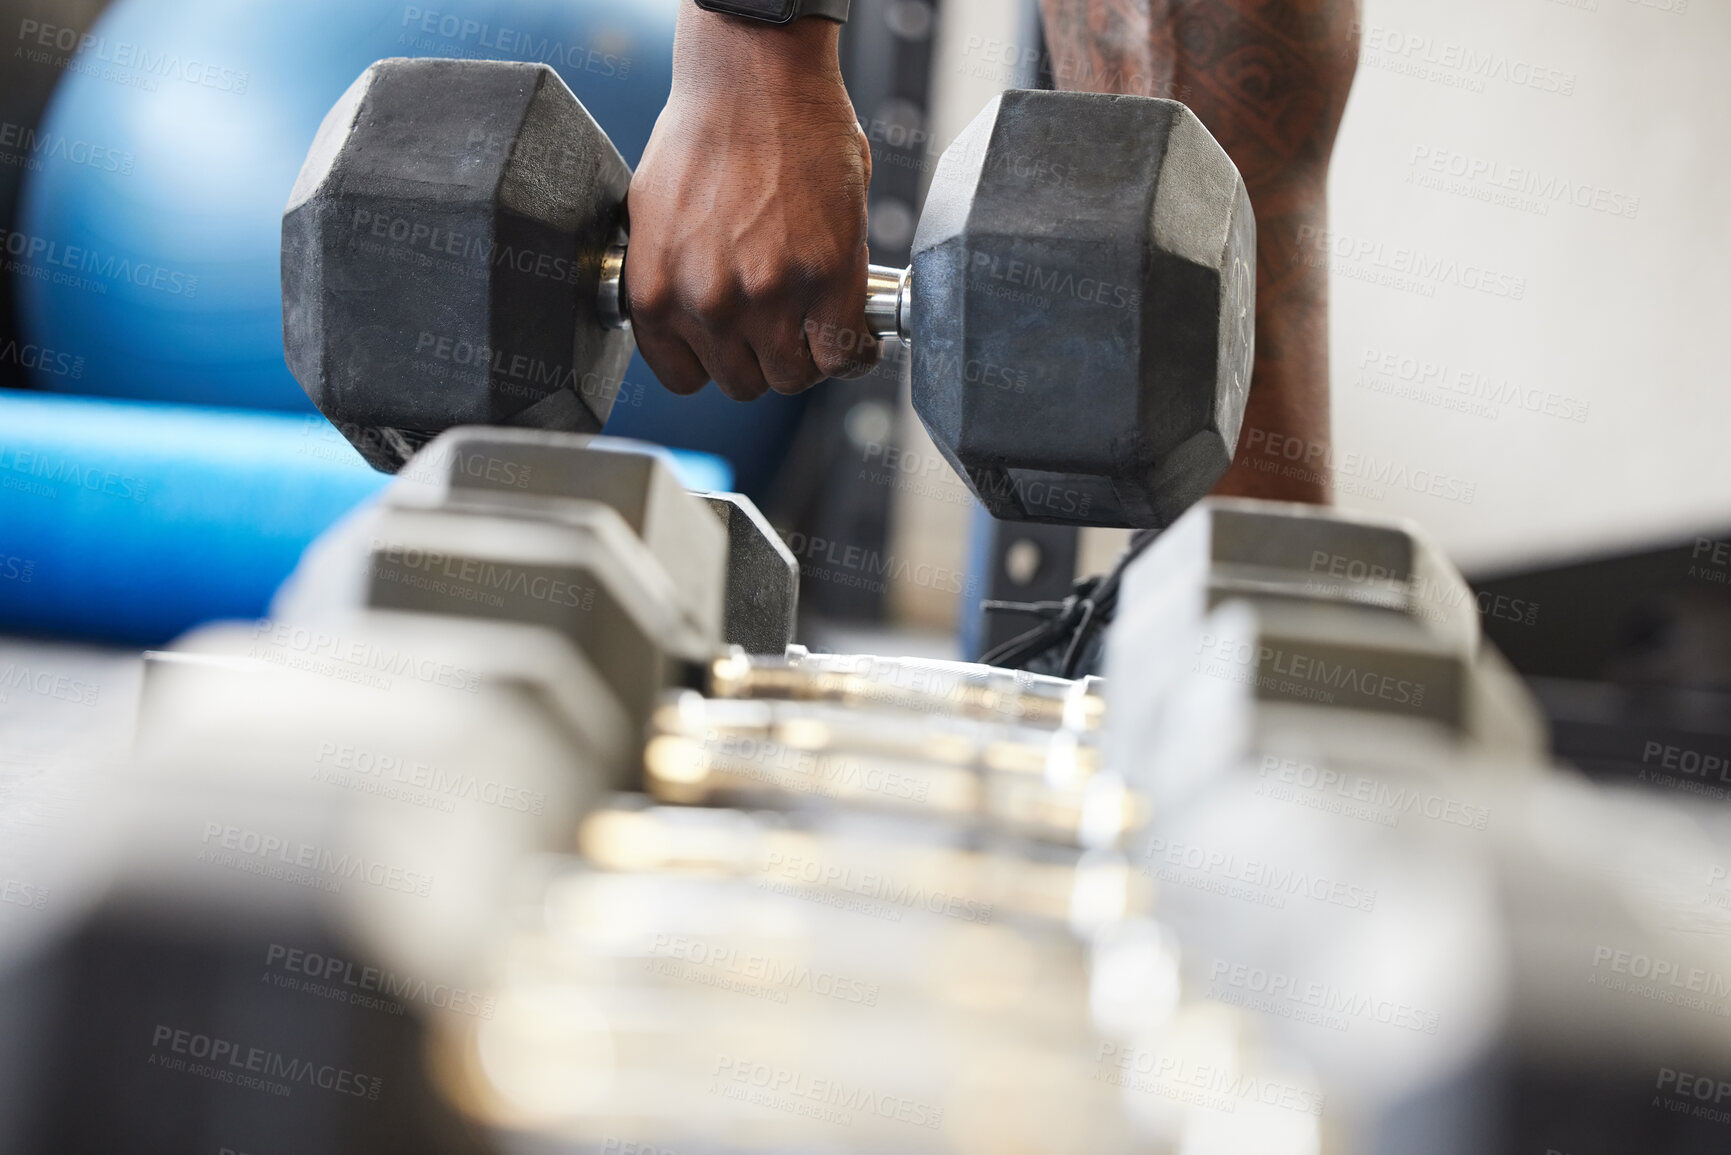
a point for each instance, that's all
(130, 522)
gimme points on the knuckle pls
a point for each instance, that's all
(848, 362)
(773, 280)
(836, 264)
(712, 299)
(849, 368)
(836, 346)
(738, 390)
(650, 292)
(675, 375)
(792, 374)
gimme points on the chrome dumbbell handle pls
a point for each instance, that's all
(888, 306)
(889, 302)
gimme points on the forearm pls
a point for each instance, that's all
(730, 58)
(1269, 78)
(1283, 445)
(748, 213)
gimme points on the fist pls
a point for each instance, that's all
(747, 261)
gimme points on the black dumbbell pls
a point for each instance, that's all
(1079, 307)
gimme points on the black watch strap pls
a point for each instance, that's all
(779, 11)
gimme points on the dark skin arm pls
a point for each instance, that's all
(758, 284)
(1269, 78)
(747, 261)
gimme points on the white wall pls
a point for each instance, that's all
(1621, 315)
(1573, 309)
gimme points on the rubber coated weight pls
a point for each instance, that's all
(1084, 316)
(1081, 304)
(449, 219)
(762, 578)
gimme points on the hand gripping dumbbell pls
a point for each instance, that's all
(1080, 305)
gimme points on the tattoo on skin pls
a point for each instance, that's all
(1269, 78)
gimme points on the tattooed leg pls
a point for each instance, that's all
(1269, 78)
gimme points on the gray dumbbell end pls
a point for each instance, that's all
(1085, 331)
(762, 603)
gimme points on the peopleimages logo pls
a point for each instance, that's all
(781, 869)
(53, 362)
(226, 1061)
(1401, 266)
(1049, 283)
(1468, 385)
(1378, 800)
(1493, 176)
(43, 473)
(1320, 1003)
(1008, 61)
(827, 1100)
(718, 965)
(353, 659)
(375, 772)
(256, 852)
(808, 771)
(517, 374)
(1659, 973)
(1258, 880)
(1216, 1085)
(46, 683)
(100, 56)
(1700, 1096)
(463, 37)
(1452, 63)
(30, 146)
(17, 892)
(41, 258)
(1259, 661)
(333, 977)
(482, 252)
(841, 564)
(474, 579)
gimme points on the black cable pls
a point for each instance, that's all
(1078, 640)
(1019, 649)
(1041, 609)
(1073, 623)
(1032, 643)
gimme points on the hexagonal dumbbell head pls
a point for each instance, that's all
(441, 252)
(1085, 292)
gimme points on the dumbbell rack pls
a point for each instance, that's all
(1295, 868)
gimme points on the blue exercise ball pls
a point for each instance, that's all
(151, 234)
(151, 253)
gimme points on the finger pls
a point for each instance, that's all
(846, 348)
(784, 355)
(836, 330)
(670, 357)
(654, 322)
(841, 342)
(730, 362)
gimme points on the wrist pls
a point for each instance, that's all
(716, 55)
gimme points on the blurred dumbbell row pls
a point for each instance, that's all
(498, 837)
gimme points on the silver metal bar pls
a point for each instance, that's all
(610, 299)
(889, 294)
(888, 307)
